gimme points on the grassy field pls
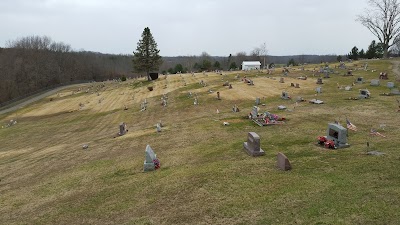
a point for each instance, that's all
(205, 177)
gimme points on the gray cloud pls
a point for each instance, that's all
(191, 27)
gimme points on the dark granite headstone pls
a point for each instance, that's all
(154, 76)
(122, 129)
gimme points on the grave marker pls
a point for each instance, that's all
(338, 135)
(122, 129)
(252, 146)
(285, 95)
(258, 101)
(375, 82)
(151, 162)
(283, 162)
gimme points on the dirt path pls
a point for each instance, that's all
(30, 100)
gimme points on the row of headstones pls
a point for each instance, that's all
(11, 123)
(123, 128)
(390, 85)
(252, 147)
(282, 80)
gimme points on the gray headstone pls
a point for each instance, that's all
(254, 112)
(283, 162)
(281, 107)
(390, 84)
(150, 156)
(338, 134)
(318, 90)
(375, 82)
(347, 88)
(122, 129)
(360, 80)
(285, 95)
(252, 146)
(258, 101)
(319, 81)
(395, 91)
(158, 127)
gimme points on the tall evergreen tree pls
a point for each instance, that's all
(146, 57)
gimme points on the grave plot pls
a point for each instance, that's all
(266, 118)
(336, 137)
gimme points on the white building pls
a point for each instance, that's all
(251, 65)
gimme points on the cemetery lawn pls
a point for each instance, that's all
(205, 177)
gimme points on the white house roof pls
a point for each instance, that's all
(251, 63)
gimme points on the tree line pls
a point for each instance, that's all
(36, 63)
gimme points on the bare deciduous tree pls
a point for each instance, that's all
(382, 19)
(260, 53)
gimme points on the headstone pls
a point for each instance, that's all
(297, 85)
(122, 129)
(254, 112)
(291, 84)
(258, 101)
(283, 162)
(235, 108)
(326, 74)
(375, 82)
(252, 146)
(395, 91)
(347, 88)
(319, 81)
(158, 127)
(360, 80)
(218, 96)
(338, 134)
(282, 80)
(285, 95)
(318, 90)
(151, 162)
(390, 84)
(364, 93)
(281, 107)
(230, 86)
(376, 153)
(316, 101)
(196, 101)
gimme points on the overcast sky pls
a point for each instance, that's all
(190, 27)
